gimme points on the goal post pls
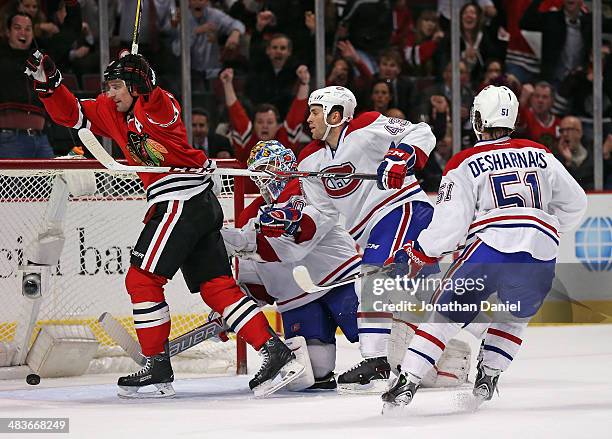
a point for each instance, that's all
(79, 241)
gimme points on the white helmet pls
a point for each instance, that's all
(494, 107)
(329, 97)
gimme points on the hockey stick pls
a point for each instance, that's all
(97, 150)
(136, 34)
(117, 331)
(302, 277)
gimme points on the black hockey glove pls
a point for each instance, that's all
(41, 68)
(137, 74)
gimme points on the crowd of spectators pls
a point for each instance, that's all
(251, 62)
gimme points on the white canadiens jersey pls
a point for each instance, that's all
(512, 194)
(361, 148)
(323, 246)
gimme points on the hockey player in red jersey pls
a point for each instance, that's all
(509, 199)
(182, 225)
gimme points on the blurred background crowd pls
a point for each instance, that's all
(251, 64)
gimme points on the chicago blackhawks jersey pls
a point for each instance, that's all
(361, 148)
(512, 194)
(154, 135)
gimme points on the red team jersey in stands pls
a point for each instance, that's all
(545, 133)
(153, 136)
(244, 137)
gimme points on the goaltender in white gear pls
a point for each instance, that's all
(321, 244)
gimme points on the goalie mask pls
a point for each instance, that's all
(494, 107)
(328, 98)
(271, 155)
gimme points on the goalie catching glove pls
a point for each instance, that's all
(396, 165)
(41, 68)
(409, 260)
(275, 222)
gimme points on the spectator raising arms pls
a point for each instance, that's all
(207, 26)
(22, 115)
(422, 43)
(271, 78)
(267, 124)
(566, 37)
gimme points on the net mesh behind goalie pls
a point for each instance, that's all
(99, 230)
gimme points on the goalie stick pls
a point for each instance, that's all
(97, 150)
(302, 277)
(117, 331)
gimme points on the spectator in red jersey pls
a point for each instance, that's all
(537, 122)
(421, 44)
(267, 123)
(403, 23)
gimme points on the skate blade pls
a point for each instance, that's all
(288, 373)
(374, 387)
(164, 390)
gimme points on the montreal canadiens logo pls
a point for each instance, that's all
(339, 187)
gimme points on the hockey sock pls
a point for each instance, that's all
(240, 313)
(151, 312)
(426, 347)
(502, 343)
(374, 329)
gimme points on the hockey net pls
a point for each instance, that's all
(99, 230)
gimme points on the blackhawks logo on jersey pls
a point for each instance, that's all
(145, 151)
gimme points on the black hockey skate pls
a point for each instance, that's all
(328, 382)
(486, 383)
(400, 394)
(277, 360)
(368, 376)
(157, 371)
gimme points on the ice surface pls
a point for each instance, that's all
(560, 386)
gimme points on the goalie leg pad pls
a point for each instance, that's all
(426, 347)
(452, 368)
(151, 312)
(240, 313)
(401, 335)
(301, 351)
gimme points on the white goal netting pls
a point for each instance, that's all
(98, 230)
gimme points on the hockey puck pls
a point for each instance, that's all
(33, 379)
